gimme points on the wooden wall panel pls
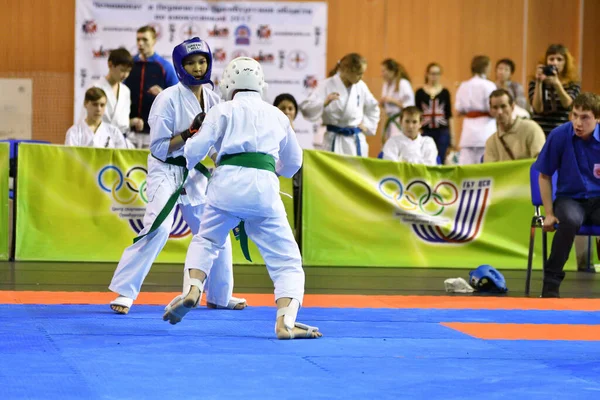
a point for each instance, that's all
(591, 52)
(38, 35)
(39, 43)
(551, 22)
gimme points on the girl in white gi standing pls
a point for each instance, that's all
(396, 94)
(410, 146)
(170, 117)
(92, 131)
(346, 106)
(255, 143)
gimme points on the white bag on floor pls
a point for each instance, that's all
(458, 285)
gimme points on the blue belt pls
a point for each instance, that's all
(347, 131)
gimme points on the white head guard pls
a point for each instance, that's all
(242, 73)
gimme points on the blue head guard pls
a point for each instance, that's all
(192, 46)
(487, 279)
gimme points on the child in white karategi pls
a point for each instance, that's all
(92, 131)
(118, 95)
(410, 146)
(472, 102)
(346, 106)
(170, 117)
(255, 143)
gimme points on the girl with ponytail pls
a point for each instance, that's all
(346, 106)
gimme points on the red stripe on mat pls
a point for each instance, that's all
(322, 300)
(527, 331)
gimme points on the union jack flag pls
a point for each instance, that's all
(433, 114)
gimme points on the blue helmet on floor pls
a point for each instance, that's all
(191, 46)
(487, 279)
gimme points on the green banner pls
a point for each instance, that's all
(87, 204)
(370, 212)
(4, 222)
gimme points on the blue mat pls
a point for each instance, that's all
(87, 352)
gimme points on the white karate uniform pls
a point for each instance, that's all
(356, 105)
(172, 112)
(473, 95)
(117, 109)
(247, 124)
(106, 136)
(403, 93)
(401, 148)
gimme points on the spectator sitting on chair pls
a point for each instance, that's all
(92, 131)
(515, 138)
(572, 149)
(410, 146)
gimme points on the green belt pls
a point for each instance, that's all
(392, 119)
(247, 160)
(166, 210)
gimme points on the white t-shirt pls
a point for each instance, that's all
(106, 136)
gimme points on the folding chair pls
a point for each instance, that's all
(537, 221)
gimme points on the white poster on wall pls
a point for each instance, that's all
(288, 39)
(15, 108)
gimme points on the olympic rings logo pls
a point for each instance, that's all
(111, 180)
(418, 195)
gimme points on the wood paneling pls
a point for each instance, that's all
(39, 42)
(591, 52)
(551, 22)
(451, 33)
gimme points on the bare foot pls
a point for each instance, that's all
(300, 331)
(119, 309)
(121, 305)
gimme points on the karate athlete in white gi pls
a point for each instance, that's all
(346, 106)
(473, 103)
(169, 120)
(92, 131)
(255, 143)
(118, 94)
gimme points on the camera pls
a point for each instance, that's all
(549, 70)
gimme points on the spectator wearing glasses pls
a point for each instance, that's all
(435, 103)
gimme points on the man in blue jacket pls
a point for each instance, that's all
(572, 149)
(150, 75)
